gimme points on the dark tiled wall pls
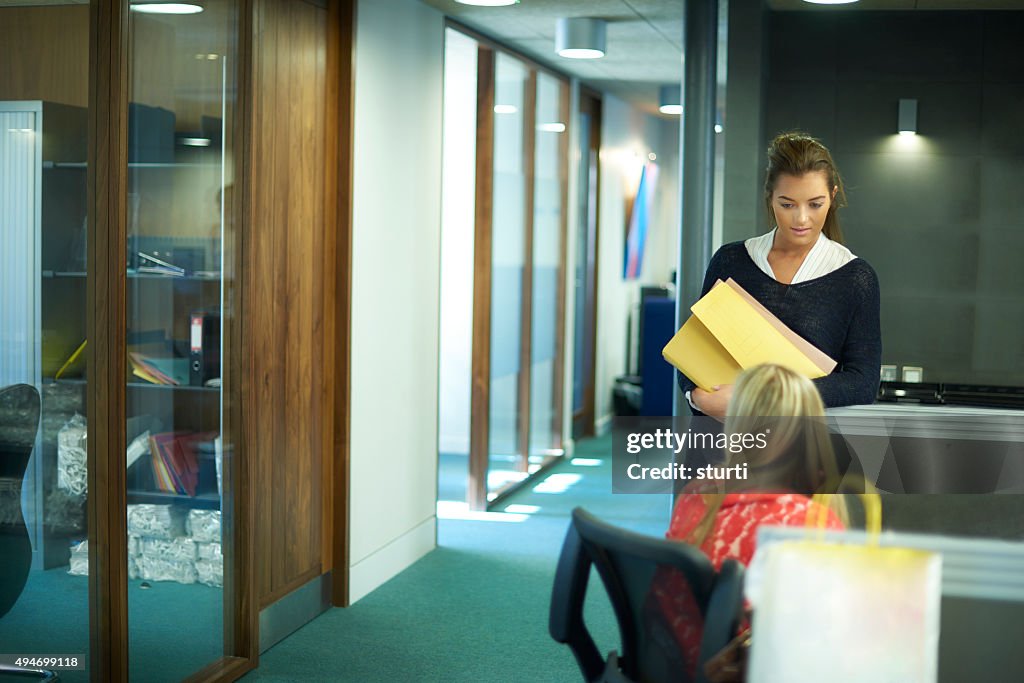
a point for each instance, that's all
(939, 216)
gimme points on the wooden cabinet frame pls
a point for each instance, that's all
(106, 352)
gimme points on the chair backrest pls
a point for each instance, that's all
(19, 422)
(673, 610)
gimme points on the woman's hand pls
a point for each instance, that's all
(729, 665)
(713, 403)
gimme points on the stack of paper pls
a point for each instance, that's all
(730, 331)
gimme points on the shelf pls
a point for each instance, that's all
(48, 274)
(187, 278)
(140, 385)
(131, 164)
(172, 387)
(57, 274)
(203, 501)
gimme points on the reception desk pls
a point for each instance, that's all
(947, 469)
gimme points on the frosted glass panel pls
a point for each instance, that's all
(508, 235)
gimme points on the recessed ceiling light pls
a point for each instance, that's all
(670, 99)
(831, 2)
(580, 38)
(488, 3)
(166, 8)
(580, 53)
(551, 127)
(505, 109)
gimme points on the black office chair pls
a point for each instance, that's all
(19, 422)
(635, 569)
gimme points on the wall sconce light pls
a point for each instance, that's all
(908, 117)
(580, 37)
(670, 100)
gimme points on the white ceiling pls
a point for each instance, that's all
(644, 42)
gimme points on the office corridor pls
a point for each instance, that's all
(476, 608)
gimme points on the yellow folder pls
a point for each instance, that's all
(730, 331)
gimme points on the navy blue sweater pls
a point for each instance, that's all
(837, 313)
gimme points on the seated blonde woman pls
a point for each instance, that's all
(797, 461)
(792, 462)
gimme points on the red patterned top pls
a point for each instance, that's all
(735, 531)
(673, 619)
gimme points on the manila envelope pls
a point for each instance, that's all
(730, 331)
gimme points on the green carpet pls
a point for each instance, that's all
(476, 608)
(174, 629)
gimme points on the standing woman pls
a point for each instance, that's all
(802, 273)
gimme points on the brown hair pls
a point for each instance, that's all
(796, 154)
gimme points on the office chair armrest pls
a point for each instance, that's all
(566, 619)
(23, 672)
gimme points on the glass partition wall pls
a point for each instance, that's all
(527, 223)
(508, 272)
(179, 186)
(503, 239)
(549, 243)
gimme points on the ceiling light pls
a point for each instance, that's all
(580, 37)
(670, 99)
(906, 122)
(831, 2)
(505, 109)
(551, 127)
(488, 3)
(166, 8)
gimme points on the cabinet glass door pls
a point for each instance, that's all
(181, 70)
(44, 81)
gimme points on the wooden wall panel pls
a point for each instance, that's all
(40, 54)
(291, 401)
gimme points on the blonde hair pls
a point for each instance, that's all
(797, 154)
(774, 399)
